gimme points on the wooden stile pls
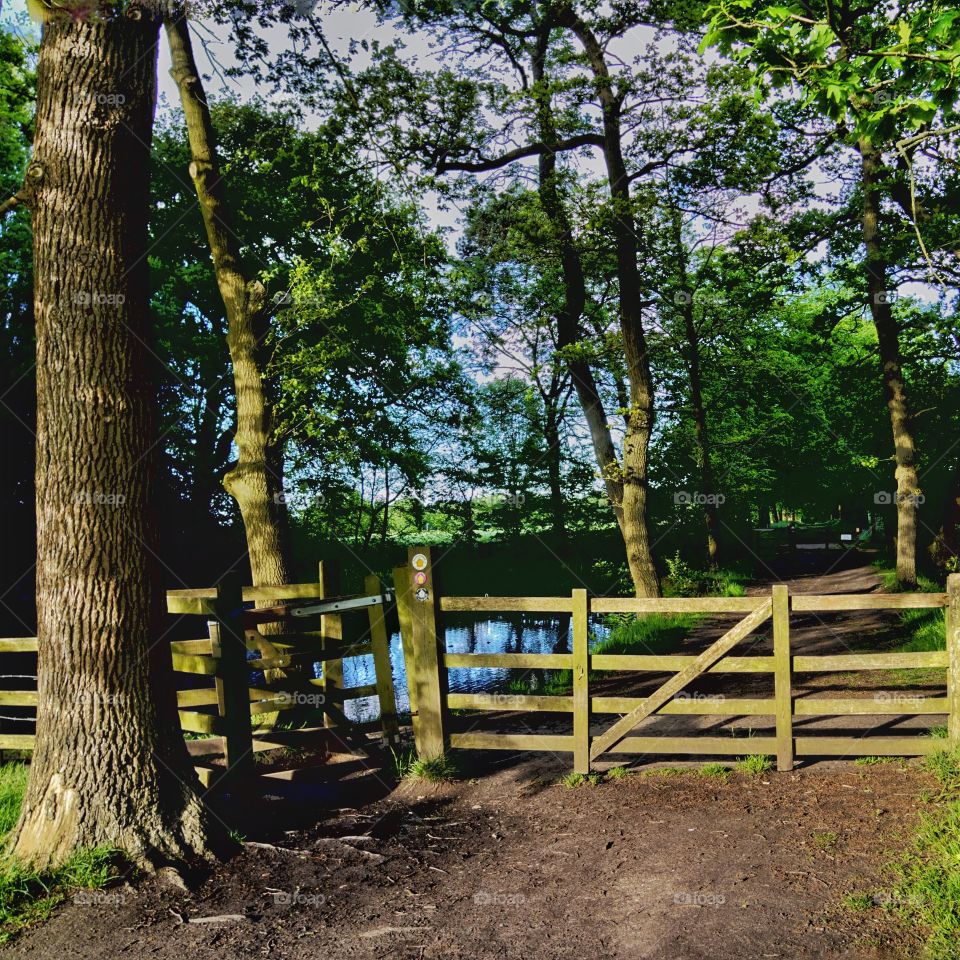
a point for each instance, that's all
(404, 594)
(233, 698)
(331, 627)
(953, 658)
(380, 642)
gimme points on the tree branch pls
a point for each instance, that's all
(530, 150)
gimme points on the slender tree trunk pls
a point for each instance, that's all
(946, 545)
(110, 766)
(894, 385)
(256, 480)
(551, 436)
(698, 409)
(640, 412)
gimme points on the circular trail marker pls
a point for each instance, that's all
(419, 561)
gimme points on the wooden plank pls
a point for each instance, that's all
(512, 741)
(866, 746)
(509, 701)
(518, 661)
(505, 604)
(781, 677)
(892, 704)
(581, 683)
(325, 656)
(705, 706)
(676, 604)
(353, 693)
(380, 642)
(869, 601)
(402, 586)
(870, 661)
(726, 746)
(17, 741)
(231, 679)
(193, 593)
(666, 663)
(427, 642)
(18, 698)
(191, 605)
(201, 697)
(331, 626)
(204, 666)
(18, 645)
(953, 659)
(675, 684)
(190, 648)
(197, 722)
(285, 591)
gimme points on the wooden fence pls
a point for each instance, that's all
(421, 611)
(236, 721)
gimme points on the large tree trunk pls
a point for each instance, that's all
(110, 766)
(256, 480)
(698, 409)
(568, 316)
(640, 411)
(894, 385)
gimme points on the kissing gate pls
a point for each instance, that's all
(421, 611)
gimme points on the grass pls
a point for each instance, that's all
(29, 896)
(663, 772)
(573, 780)
(618, 773)
(938, 733)
(825, 840)
(921, 630)
(873, 761)
(755, 765)
(719, 770)
(928, 888)
(407, 765)
(858, 902)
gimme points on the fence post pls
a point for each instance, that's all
(581, 683)
(331, 630)
(232, 677)
(402, 587)
(783, 694)
(429, 675)
(380, 641)
(952, 623)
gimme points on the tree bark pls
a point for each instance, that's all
(894, 384)
(110, 766)
(640, 412)
(698, 409)
(256, 480)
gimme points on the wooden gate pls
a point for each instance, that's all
(427, 660)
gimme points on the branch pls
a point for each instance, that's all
(530, 150)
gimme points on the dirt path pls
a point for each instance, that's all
(648, 868)
(656, 866)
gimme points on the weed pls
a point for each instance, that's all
(873, 761)
(825, 840)
(938, 733)
(573, 780)
(858, 902)
(719, 770)
(754, 765)
(618, 773)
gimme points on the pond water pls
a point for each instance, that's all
(507, 635)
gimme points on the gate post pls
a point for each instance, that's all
(581, 683)
(952, 623)
(331, 630)
(231, 680)
(782, 668)
(430, 676)
(380, 641)
(404, 595)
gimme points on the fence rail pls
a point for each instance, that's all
(427, 663)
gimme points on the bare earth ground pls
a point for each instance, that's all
(512, 864)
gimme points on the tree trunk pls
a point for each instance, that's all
(551, 435)
(110, 766)
(640, 412)
(894, 385)
(945, 548)
(256, 480)
(699, 411)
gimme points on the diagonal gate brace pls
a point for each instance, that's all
(716, 651)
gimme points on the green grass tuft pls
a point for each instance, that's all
(938, 733)
(618, 773)
(858, 902)
(825, 839)
(573, 780)
(719, 770)
(755, 765)
(874, 761)
(13, 785)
